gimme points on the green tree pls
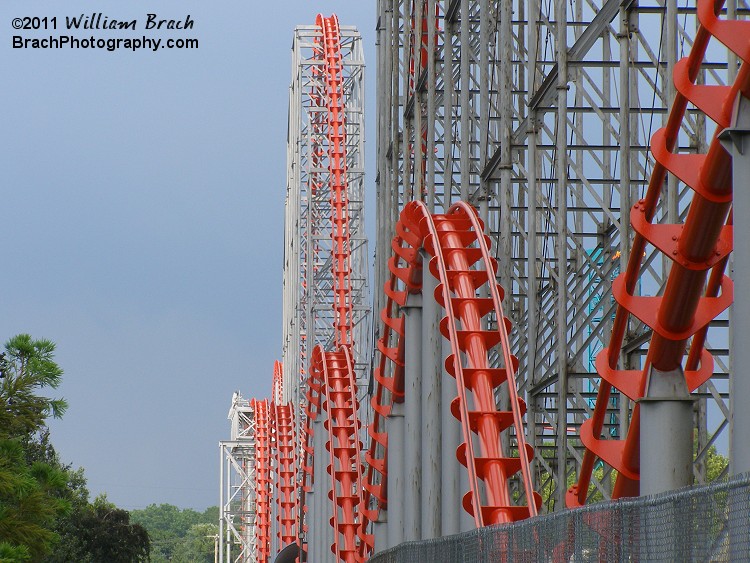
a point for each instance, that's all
(105, 534)
(97, 532)
(169, 527)
(198, 544)
(45, 514)
(28, 367)
(31, 490)
(29, 501)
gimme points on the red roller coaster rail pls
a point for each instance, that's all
(285, 466)
(336, 133)
(263, 478)
(331, 386)
(462, 264)
(697, 248)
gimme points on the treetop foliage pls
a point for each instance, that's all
(26, 367)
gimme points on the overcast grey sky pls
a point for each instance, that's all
(142, 227)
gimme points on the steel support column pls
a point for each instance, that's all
(316, 543)
(222, 539)
(412, 499)
(396, 443)
(561, 249)
(666, 433)
(450, 437)
(736, 140)
(432, 375)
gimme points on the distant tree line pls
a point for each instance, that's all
(184, 536)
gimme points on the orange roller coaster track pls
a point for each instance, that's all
(698, 249)
(333, 393)
(472, 301)
(336, 133)
(285, 466)
(331, 387)
(263, 478)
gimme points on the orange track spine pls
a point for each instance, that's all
(701, 245)
(336, 371)
(263, 478)
(332, 380)
(336, 131)
(464, 268)
(283, 422)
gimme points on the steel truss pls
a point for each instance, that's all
(309, 297)
(326, 295)
(237, 504)
(540, 113)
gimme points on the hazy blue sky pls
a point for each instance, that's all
(142, 226)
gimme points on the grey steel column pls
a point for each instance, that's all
(419, 155)
(413, 418)
(532, 168)
(380, 531)
(466, 521)
(465, 45)
(561, 249)
(309, 500)
(625, 170)
(431, 106)
(396, 439)
(736, 139)
(312, 523)
(484, 103)
(532, 299)
(408, 186)
(316, 542)
(221, 503)
(450, 435)
(448, 95)
(328, 506)
(666, 438)
(432, 375)
(275, 548)
(505, 268)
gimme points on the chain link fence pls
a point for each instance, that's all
(707, 523)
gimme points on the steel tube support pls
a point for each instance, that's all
(412, 499)
(312, 523)
(666, 439)
(380, 531)
(431, 105)
(448, 96)
(450, 435)
(221, 503)
(464, 68)
(275, 494)
(316, 543)
(736, 140)
(532, 167)
(561, 250)
(396, 439)
(432, 372)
